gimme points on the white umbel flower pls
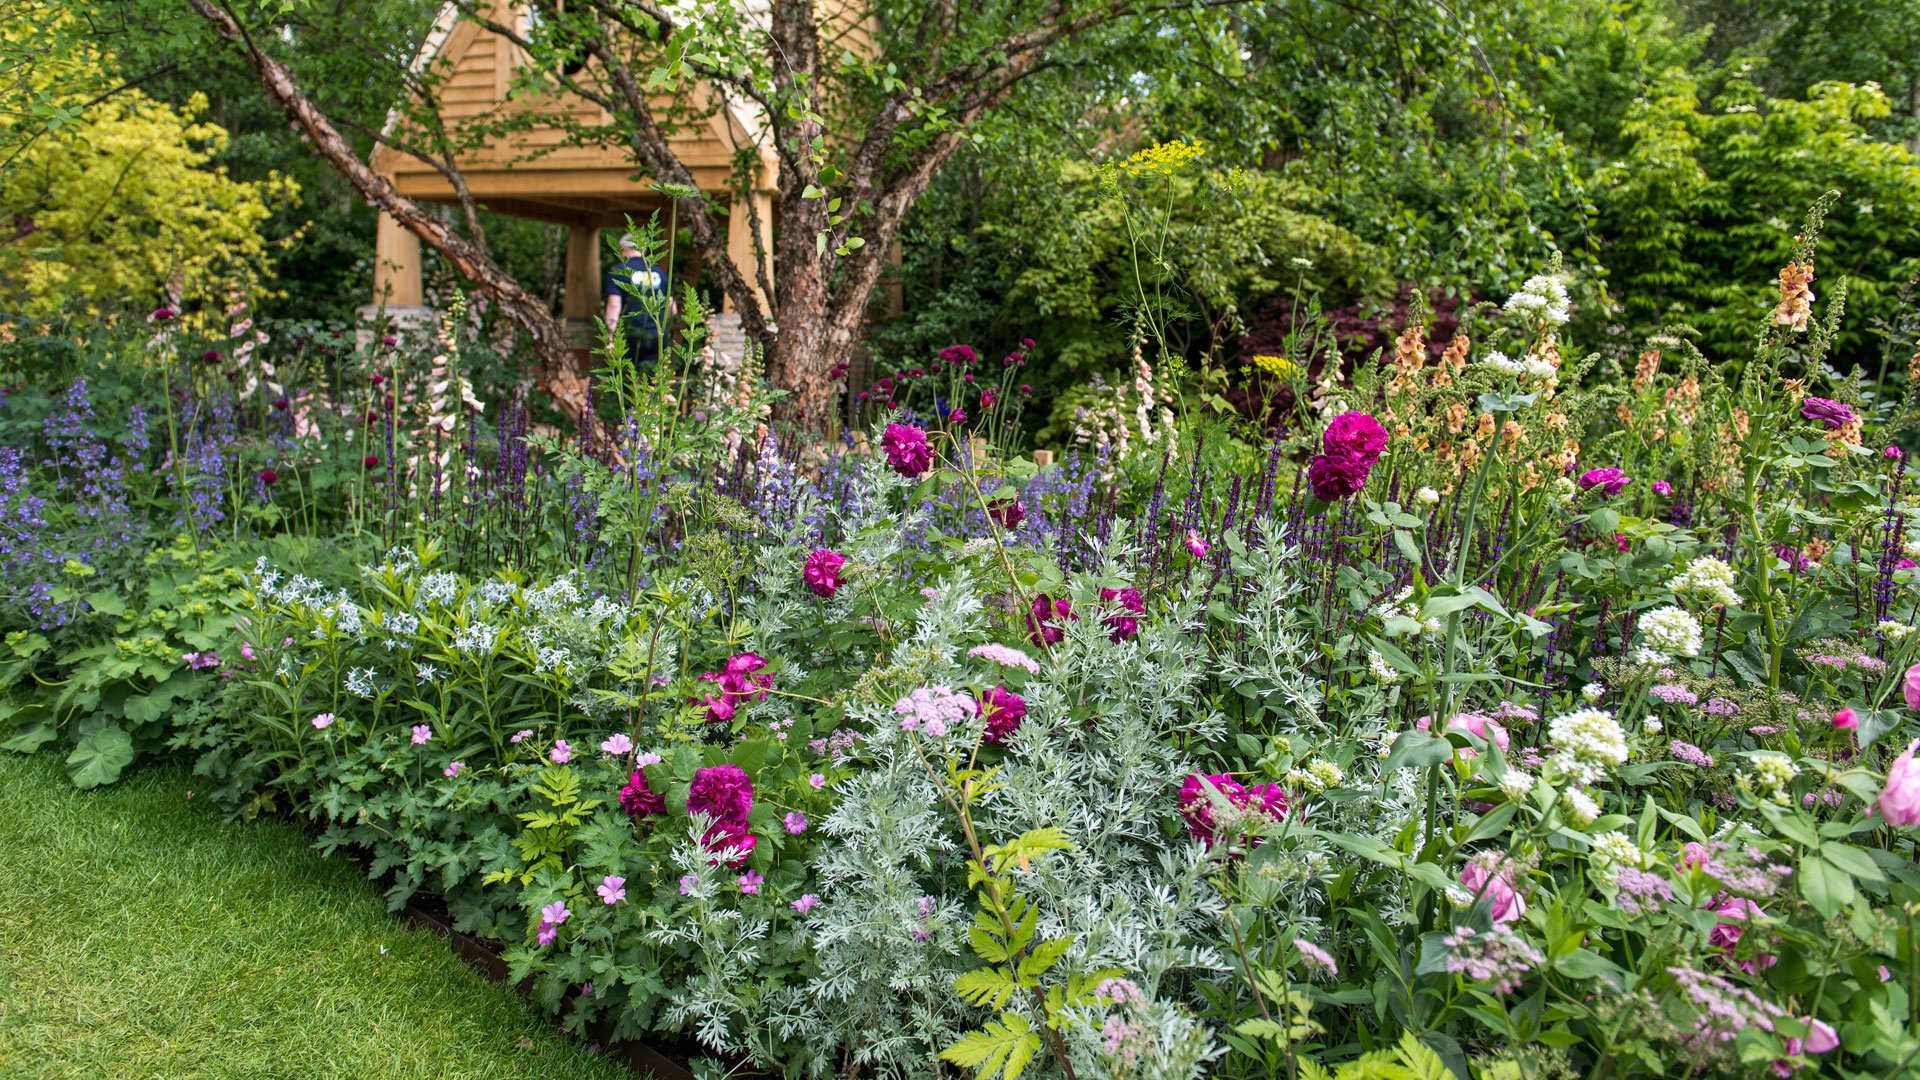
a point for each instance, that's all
(1708, 580)
(1581, 807)
(1670, 631)
(1589, 742)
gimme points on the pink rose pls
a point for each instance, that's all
(1846, 720)
(1610, 481)
(1726, 934)
(1496, 887)
(822, 572)
(1899, 801)
(907, 449)
(1333, 478)
(1355, 435)
(1910, 688)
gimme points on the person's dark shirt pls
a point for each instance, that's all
(647, 280)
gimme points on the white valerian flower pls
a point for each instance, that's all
(1564, 489)
(1581, 807)
(1708, 580)
(1516, 785)
(1589, 742)
(1670, 631)
(1615, 847)
(1381, 670)
(1894, 631)
(1593, 692)
(1544, 296)
(1653, 725)
(1543, 370)
(1326, 772)
(1502, 363)
(1426, 496)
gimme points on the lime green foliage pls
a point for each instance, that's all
(122, 197)
(143, 935)
(1410, 1060)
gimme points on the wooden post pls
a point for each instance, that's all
(583, 272)
(1043, 458)
(396, 266)
(740, 244)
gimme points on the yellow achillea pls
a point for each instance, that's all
(1164, 159)
(1278, 366)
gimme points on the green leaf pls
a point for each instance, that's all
(1827, 887)
(1418, 749)
(1851, 860)
(107, 602)
(100, 757)
(1043, 957)
(31, 739)
(1008, 1044)
(989, 988)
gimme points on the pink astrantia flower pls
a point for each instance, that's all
(325, 719)
(805, 903)
(1846, 719)
(907, 449)
(1899, 801)
(421, 734)
(750, 882)
(612, 890)
(822, 572)
(1610, 481)
(616, 744)
(795, 821)
(1047, 621)
(1003, 710)
(453, 769)
(561, 752)
(639, 800)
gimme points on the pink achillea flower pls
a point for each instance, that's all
(795, 821)
(617, 744)
(421, 734)
(612, 890)
(1004, 710)
(1684, 751)
(1315, 956)
(907, 449)
(750, 882)
(561, 752)
(324, 720)
(822, 572)
(1047, 621)
(453, 769)
(934, 710)
(639, 800)
(1610, 481)
(805, 903)
(1005, 657)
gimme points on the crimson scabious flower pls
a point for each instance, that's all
(1610, 481)
(822, 572)
(908, 451)
(269, 477)
(211, 356)
(1003, 710)
(1047, 621)
(1826, 411)
(987, 398)
(639, 800)
(1124, 621)
(371, 461)
(957, 416)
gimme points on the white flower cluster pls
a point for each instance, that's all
(1667, 632)
(1589, 742)
(476, 638)
(561, 593)
(1708, 580)
(1772, 771)
(438, 587)
(1381, 670)
(1894, 631)
(1319, 775)
(1615, 848)
(1544, 296)
(1517, 784)
(360, 682)
(1581, 807)
(1401, 606)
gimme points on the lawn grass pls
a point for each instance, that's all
(143, 936)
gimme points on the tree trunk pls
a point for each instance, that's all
(558, 380)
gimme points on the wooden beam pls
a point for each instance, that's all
(583, 272)
(740, 243)
(396, 266)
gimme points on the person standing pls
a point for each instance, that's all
(632, 284)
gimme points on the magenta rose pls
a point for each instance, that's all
(1007, 513)
(907, 449)
(1046, 623)
(1726, 934)
(1197, 807)
(639, 800)
(725, 794)
(1610, 481)
(822, 572)
(1826, 411)
(1124, 621)
(1334, 478)
(1910, 687)
(1355, 435)
(1003, 710)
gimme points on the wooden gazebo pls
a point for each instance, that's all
(534, 173)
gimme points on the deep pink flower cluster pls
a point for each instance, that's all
(1610, 481)
(639, 800)
(743, 680)
(1827, 411)
(1350, 447)
(907, 449)
(1197, 807)
(1125, 619)
(724, 793)
(1047, 622)
(1003, 710)
(822, 572)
